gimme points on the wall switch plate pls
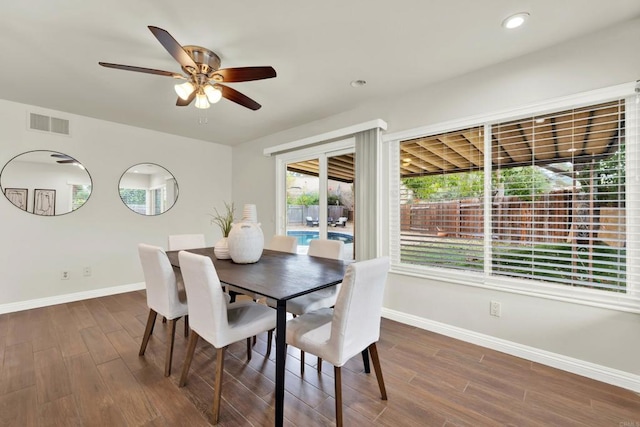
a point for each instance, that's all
(64, 275)
(86, 272)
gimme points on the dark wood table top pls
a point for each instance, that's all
(277, 275)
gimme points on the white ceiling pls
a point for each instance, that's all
(50, 51)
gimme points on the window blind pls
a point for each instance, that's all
(561, 208)
(558, 209)
(441, 200)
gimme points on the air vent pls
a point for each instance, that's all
(39, 122)
(59, 126)
(48, 124)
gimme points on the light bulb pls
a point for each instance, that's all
(201, 101)
(213, 93)
(184, 89)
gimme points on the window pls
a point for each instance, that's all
(135, 198)
(558, 198)
(540, 202)
(441, 201)
(316, 194)
(79, 195)
(303, 200)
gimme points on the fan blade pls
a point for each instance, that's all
(244, 74)
(184, 102)
(141, 70)
(173, 47)
(237, 97)
(67, 161)
(61, 156)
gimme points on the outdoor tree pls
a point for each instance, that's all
(524, 182)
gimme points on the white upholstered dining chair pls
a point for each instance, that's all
(352, 326)
(163, 297)
(322, 248)
(219, 323)
(178, 242)
(283, 244)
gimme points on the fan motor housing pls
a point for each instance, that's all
(208, 62)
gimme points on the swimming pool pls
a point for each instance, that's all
(304, 236)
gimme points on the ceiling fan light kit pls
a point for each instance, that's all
(203, 74)
(201, 101)
(213, 94)
(184, 90)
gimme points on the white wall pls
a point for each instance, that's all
(104, 233)
(607, 338)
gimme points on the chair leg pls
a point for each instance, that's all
(365, 361)
(249, 348)
(148, 330)
(164, 319)
(191, 348)
(376, 366)
(217, 392)
(232, 296)
(269, 339)
(171, 337)
(301, 363)
(338, 387)
(186, 326)
(319, 365)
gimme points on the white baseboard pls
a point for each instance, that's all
(61, 299)
(580, 367)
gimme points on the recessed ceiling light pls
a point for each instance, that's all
(514, 21)
(358, 83)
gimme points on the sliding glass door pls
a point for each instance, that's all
(316, 196)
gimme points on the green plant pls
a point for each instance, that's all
(308, 199)
(224, 221)
(333, 199)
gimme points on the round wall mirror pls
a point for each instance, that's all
(45, 183)
(148, 189)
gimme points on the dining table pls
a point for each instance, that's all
(279, 276)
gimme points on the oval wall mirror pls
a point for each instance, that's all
(45, 182)
(148, 189)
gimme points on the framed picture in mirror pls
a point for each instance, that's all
(44, 202)
(17, 196)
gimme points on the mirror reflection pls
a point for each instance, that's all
(148, 189)
(45, 182)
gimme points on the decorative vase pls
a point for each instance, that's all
(246, 242)
(221, 248)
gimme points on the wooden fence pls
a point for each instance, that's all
(550, 218)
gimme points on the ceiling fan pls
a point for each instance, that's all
(64, 159)
(204, 77)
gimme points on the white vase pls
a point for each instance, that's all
(221, 248)
(246, 242)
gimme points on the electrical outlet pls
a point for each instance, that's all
(86, 272)
(64, 275)
(494, 309)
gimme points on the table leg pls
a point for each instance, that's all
(281, 354)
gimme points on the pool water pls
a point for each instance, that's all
(305, 236)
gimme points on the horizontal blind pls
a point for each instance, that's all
(441, 200)
(558, 206)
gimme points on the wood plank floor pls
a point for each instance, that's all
(77, 364)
